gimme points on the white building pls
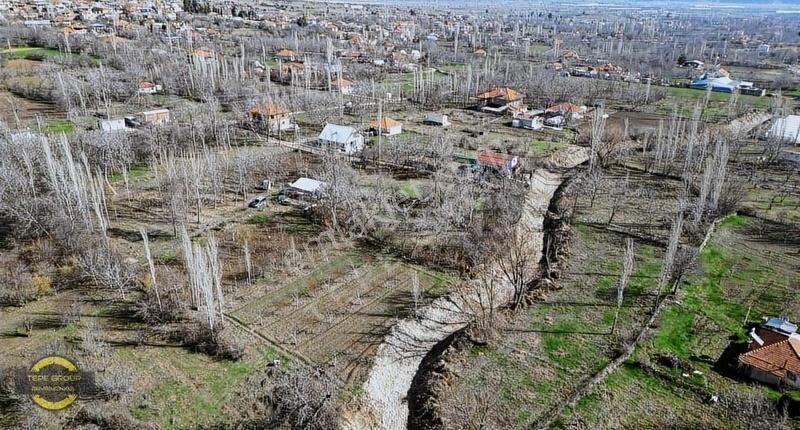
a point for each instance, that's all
(306, 185)
(341, 138)
(111, 124)
(786, 129)
(435, 118)
(530, 120)
(387, 126)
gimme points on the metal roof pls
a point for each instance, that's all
(786, 129)
(781, 325)
(307, 185)
(337, 133)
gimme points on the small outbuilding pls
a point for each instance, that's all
(306, 186)
(530, 120)
(111, 124)
(387, 126)
(436, 118)
(153, 117)
(147, 87)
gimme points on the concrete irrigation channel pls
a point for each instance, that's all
(400, 355)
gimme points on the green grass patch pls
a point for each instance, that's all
(31, 52)
(545, 146)
(260, 219)
(135, 173)
(59, 127)
(409, 190)
(185, 390)
(734, 220)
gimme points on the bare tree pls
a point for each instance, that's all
(627, 270)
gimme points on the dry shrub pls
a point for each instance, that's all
(16, 287)
(295, 399)
(220, 342)
(42, 285)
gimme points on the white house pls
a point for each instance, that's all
(530, 120)
(342, 138)
(147, 87)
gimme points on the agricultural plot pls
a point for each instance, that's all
(337, 314)
(742, 278)
(719, 106)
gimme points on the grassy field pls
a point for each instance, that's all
(59, 127)
(30, 51)
(181, 390)
(683, 101)
(740, 276)
(547, 351)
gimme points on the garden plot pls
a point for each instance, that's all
(339, 312)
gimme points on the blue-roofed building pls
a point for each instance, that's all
(720, 81)
(780, 324)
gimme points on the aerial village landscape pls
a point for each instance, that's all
(397, 214)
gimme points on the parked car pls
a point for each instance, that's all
(258, 202)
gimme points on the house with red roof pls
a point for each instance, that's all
(500, 100)
(501, 163)
(773, 355)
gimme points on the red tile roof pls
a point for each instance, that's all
(504, 93)
(494, 158)
(775, 358)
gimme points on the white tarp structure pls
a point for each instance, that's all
(307, 185)
(786, 129)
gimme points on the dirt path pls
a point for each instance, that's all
(401, 353)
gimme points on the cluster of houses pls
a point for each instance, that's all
(773, 353)
(507, 101)
(82, 16)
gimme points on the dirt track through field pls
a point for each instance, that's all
(402, 351)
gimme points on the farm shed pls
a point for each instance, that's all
(154, 117)
(147, 87)
(111, 124)
(435, 118)
(530, 120)
(306, 185)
